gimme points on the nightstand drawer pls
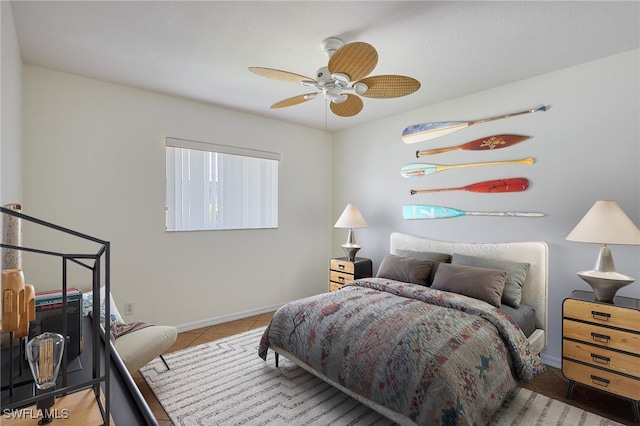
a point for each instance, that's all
(334, 286)
(607, 337)
(343, 270)
(599, 313)
(340, 278)
(600, 357)
(600, 379)
(342, 266)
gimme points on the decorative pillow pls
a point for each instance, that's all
(436, 258)
(479, 283)
(405, 269)
(516, 274)
(87, 307)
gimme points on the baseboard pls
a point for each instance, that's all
(553, 361)
(226, 318)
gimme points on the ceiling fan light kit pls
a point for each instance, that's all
(343, 81)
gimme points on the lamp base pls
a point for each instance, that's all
(605, 284)
(350, 251)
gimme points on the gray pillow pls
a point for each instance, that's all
(516, 274)
(405, 269)
(479, 283)
(436, 258)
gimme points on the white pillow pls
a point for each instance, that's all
(87, 307)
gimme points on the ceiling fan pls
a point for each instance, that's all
(344, 79)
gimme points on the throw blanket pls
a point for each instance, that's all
(438, 358)
(119, 329)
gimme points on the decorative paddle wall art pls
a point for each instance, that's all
(488, 186)
(487, 143)
(421, 169)
(426, 131)
(423, 211)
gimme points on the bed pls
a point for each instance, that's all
(429, 340)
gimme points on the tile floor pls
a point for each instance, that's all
(550, 383)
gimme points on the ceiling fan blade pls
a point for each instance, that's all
(352, 106)
(389, 86)
(280, 75)
(294, 100)
(356, 60)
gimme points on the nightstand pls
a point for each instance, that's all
(601, 345)
(343, 270)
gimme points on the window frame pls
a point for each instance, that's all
(247, 157)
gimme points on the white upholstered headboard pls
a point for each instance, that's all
(534, 291)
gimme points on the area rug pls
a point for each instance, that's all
(224, 382)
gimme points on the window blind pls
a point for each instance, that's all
(212, 186)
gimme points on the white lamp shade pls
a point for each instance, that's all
(606, 223)
(351, 218)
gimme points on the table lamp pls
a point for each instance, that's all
(605, 224)
(351, 218)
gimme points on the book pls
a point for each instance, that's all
(49, 318)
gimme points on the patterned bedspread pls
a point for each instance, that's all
(436, 357)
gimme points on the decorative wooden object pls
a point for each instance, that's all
(421, 169)
(426, 131)
(487, 186)
(422, 211)
(13, 299)
(28, 313)
(18, 303)
(488, 143)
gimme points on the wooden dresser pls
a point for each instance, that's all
(343, 270)
(601, 345)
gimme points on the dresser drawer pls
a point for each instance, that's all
(342, 266)
(600, 357)
(603, 380)
(340, 278)
(599, 313)
(607, 337)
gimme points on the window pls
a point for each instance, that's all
(220, 187)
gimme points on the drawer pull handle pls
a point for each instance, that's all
(341, 267)
(603, 316)
(341, 279)
(602, 338)
(599, 381)
(600, 359)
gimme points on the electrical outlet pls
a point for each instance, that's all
(128, 308)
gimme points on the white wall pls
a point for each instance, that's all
(94, 161)
(587, 148)
(10, 111)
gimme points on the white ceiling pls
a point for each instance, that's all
(201, 50)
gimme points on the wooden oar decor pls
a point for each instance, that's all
(423, 211)
(420, 169)
(426, 131)
(488, 186)
(488, 143)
